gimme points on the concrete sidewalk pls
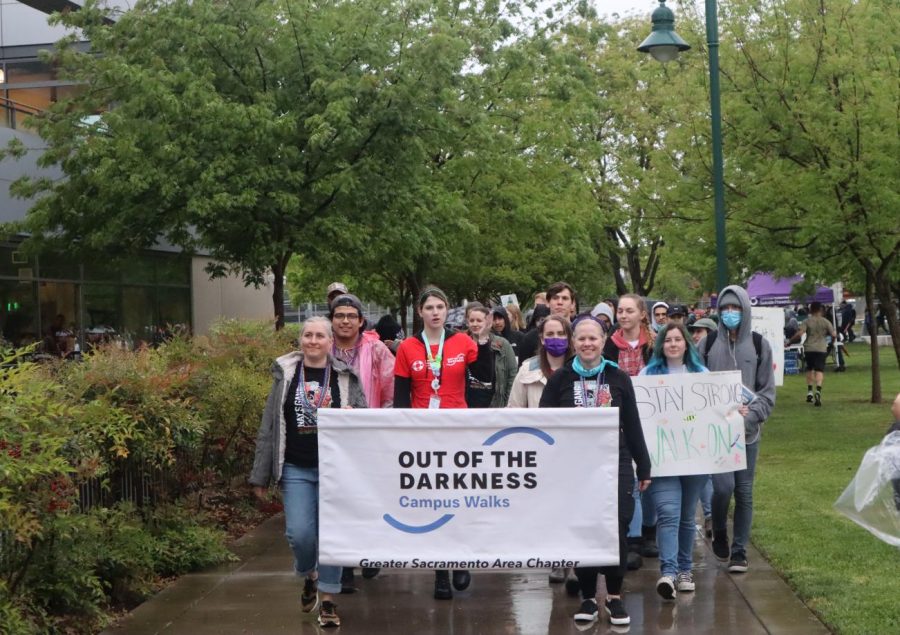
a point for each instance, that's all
(260, 595)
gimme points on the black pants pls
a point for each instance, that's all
(615, 575)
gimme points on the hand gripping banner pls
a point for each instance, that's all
(468, 489)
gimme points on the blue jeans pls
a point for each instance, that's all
(740, 484)
(676, 499)
(706, 497)
(644, 512)
(300, 491)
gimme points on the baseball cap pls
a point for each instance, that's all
(336, 286)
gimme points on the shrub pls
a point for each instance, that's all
(103, 466)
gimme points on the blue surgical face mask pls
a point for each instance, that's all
(731, 319)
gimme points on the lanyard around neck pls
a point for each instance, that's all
(434, 361)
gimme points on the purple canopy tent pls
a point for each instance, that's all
(766, 290)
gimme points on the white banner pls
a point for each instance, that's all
(469, 489)
(769, 322)
(691, 423)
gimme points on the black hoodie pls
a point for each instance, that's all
(513, 337)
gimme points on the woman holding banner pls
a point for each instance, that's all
(287, 452)
(554, 348)
(675, 497)
(431, 371)
(588, 381)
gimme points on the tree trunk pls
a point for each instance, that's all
(278, 270)
(873, 337)
(883, 289)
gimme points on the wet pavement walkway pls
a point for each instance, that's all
(260, 595)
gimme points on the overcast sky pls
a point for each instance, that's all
(638, 7)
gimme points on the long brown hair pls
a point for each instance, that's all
(642, 308)
(542, 352)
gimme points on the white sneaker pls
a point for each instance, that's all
(685, 581)
(665, 586)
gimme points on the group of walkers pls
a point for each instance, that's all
(564, 359)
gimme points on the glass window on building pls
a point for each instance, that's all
(15, 264)
(27, 72)
(175, 309)
(60, 316)
(102, 323)
(18, 313)
(138, 315)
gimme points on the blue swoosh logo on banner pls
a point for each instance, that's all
(417, 529)
(540, 434)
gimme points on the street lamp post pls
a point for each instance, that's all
(665, 45)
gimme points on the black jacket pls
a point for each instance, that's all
(560, 393)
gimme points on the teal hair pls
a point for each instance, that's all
(658, 365)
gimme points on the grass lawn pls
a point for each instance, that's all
(807, 457)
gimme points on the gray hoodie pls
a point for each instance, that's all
(270, 440)
(758, 375)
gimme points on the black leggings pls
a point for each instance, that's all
(615, 575)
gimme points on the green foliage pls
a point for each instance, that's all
(181, 418)
(806, 460)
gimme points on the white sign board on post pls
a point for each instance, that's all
(468, 489)
(769, 322)
(691, 423)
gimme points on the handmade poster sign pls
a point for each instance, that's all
(691, 422)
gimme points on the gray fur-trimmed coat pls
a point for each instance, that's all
(270, 440)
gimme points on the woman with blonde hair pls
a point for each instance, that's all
(287, 452)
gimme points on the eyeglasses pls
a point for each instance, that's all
(349, 317)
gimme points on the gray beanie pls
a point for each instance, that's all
(346, 299)
(728, 297)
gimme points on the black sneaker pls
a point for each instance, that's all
(328, 616)
(634, 561)
(809, 397)
(442, 590)
(818, 403)
(649, 548)
(347, 582)
(587, 612)
(738, 563)
(461, 580)
(720, 545)
(615, 608)
(370, 572)
(309, 598)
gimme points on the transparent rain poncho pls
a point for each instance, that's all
(872, 499)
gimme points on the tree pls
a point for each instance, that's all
(810, 97)
(626, 132)
(235, 127)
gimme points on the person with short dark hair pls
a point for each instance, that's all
(501, 326)
(562, 300)
(815, 350)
